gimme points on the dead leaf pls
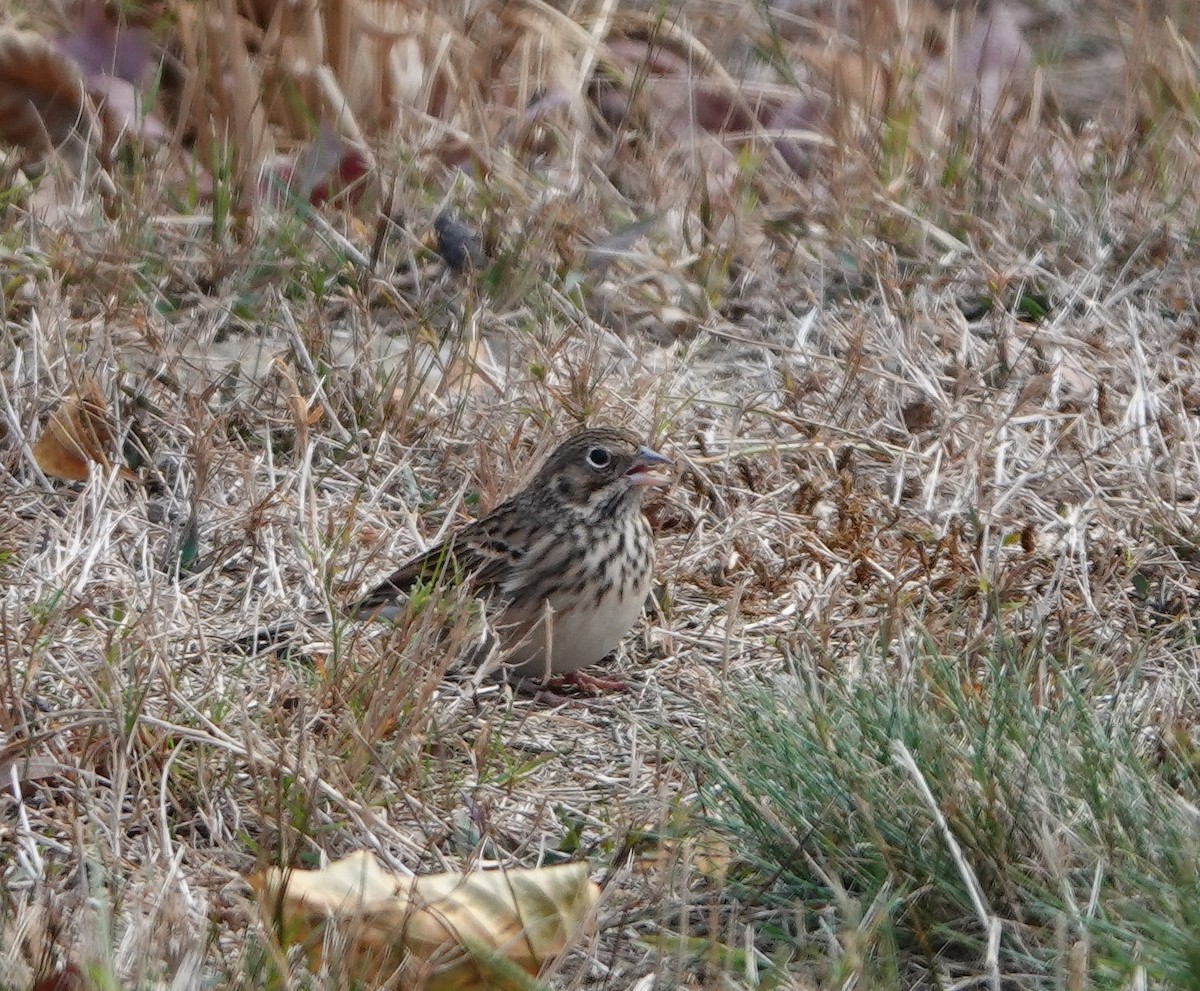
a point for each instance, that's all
(101, 48)
(679, 92)
(76, 435)
(42, 98)
(304, 415)
(29, 772)
(115, 61)
(457, 932)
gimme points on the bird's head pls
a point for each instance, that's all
(594, 468)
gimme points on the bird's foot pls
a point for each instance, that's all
(587, 683)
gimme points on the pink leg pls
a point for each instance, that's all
(588, 683)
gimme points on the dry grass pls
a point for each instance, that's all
(939, 393)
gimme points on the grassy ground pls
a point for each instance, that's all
(919, 706)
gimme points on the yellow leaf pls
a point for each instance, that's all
(76, 435)
(452, 932)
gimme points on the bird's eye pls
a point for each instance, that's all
(598, 457)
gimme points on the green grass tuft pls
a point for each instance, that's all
(1072, 831)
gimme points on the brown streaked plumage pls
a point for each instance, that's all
(567, 561)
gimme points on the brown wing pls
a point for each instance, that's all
(481, 554)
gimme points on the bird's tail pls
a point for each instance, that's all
(275, 638)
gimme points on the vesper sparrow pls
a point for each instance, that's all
(567, 561)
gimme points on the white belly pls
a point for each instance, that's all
(579, 636)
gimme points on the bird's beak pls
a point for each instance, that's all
(645, 468)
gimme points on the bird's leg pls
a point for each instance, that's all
(588, 683)
(548, 692)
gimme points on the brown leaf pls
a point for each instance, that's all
(27, 772)
(115, 60)
(102, 48)
(76, 435)
(458, 932)
(679, 92)
(42, 101)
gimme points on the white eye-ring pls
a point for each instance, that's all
(598, 457)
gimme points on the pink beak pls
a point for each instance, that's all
(643, 470)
